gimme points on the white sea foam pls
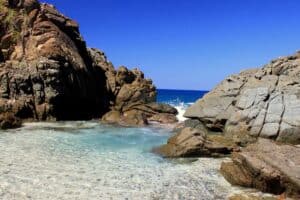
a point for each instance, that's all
(181, 108)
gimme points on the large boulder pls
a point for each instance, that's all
(48, 73)
(257, 103)
(256, 196)
(193, 139)
(266, 166)
(132, 97)
(9, 121)
(129, 118)
(253, 110)
(140, 114)
(194, 142)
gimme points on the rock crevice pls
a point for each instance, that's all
(266, 166)
(258, 103)
(48, 73)
(249, 116)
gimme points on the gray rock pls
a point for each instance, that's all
(269, 130)
(262, 102)
(194, 142)
(252, 97)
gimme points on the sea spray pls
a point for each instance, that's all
(181, 108)
(180, 99)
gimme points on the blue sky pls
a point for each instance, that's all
(188, 44)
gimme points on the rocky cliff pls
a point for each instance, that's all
(48, 73)
(258, 107)
(261, 102)
(257, 103)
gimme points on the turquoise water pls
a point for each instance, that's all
(89, 160)
(92, 136)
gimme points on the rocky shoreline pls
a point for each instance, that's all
(267, 166)
(47, 73)
(254, 117)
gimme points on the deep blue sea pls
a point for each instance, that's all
(179, 96)
(180, 99)
(90, 160)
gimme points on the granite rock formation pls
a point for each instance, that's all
(48, 73)
(256, 106)
(257, 103)
(192, 141)
(131, 97)
(266, 166)
(253, 109)
(261, 102)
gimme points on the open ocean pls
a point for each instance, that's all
(90, 160)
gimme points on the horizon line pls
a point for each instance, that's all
(184, 89)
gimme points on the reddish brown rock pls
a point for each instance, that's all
(256, 196)
(9, 121)
(193, 142)
(139, 114)
(164, 118)
(266, 166)
(48, 73)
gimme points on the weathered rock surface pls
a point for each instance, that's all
(9, 121)
(48, 73)
(266, 166)
(192, 142)
(131, 96)
(258, 103)
(255, 103)
(255, 196)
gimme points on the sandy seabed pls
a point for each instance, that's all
(85, 160)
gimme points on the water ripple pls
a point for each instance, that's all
(80, 160)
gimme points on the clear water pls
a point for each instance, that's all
(88, 160)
